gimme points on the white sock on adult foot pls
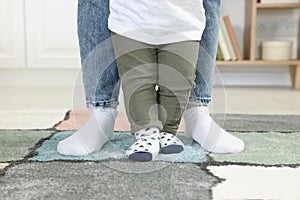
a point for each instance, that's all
(92, 136)
(204, 130)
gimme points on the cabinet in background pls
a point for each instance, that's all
(12, 34)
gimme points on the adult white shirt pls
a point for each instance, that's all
(157, 21)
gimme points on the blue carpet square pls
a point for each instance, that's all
(116, 149)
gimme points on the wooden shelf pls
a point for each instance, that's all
(259, 62)
(278, 5)
(250, 45)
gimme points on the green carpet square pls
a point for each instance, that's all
(266, 148)
(15, 144)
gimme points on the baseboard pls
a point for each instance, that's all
(39, 77)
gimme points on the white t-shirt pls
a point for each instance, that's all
(157, 21)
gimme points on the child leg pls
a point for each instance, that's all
(176, 74)
(137, 65)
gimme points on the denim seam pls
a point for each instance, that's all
(104, 103)
(200, 100)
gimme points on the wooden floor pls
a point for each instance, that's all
(43, 107)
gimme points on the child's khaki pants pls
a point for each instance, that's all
(156, 81)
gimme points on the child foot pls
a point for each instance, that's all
(92, 136)
(147, 145)
(170, 144)
(204, 130)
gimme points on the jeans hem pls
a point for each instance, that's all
(200, 101)
(102, 104)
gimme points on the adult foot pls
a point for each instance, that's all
(204, 130)
(92, 136)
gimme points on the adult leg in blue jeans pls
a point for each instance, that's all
(100, 78)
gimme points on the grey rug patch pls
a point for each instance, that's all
(90, 180)
(16, 144)
(259, 123)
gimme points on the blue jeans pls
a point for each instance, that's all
(100, 74)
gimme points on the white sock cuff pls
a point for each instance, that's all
(196, 110)
(113, 111)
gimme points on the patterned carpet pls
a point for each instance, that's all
(28, 158)
(116, 149)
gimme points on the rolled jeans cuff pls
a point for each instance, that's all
(200, 101)
(112, 103)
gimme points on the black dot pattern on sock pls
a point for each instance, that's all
(146, 147)
(170, 143)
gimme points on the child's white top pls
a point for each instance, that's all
(157, 21)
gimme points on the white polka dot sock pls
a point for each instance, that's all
(204, 130)
(147, 145)
(92, 136)
(170, 144)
